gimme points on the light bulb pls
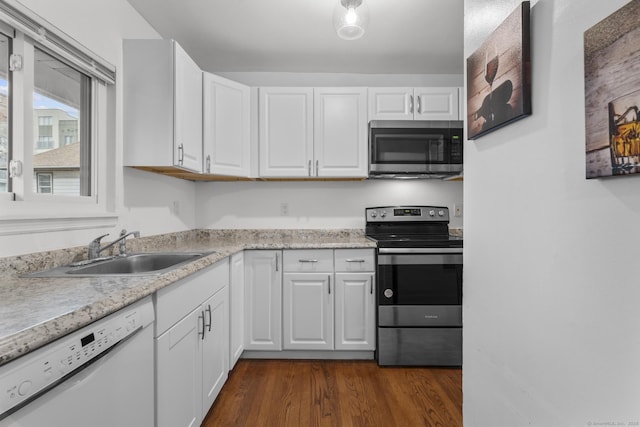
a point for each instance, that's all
(351, 16)
(350, 19)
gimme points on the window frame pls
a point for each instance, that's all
(23, 210)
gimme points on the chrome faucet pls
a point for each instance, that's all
(95, 249)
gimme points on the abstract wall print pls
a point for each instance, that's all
(499, 76)
(612, 94)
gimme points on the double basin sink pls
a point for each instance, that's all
(138, 264)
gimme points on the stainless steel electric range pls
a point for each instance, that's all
(419, 283)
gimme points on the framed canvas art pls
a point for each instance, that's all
(612, 94)
(499, 76)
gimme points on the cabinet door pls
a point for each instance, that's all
(236, 309)
(355, 311)
(436, 103)
(179, 373)
(340, 132)
(307, 317)
(187, 111)
(263, 300)
(226, 126)
(391, 103)
(215, 347)
(286, 132)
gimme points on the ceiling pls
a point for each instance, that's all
(404, 36)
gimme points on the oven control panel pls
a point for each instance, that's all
(407, 214)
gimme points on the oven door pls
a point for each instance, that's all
(420, 276)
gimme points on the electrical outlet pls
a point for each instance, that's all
(457, 209)
(284, 209)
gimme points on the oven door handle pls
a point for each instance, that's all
(420, 259)
(420, 251)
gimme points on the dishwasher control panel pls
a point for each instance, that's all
(37, 372)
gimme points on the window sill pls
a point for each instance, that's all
(21, 225)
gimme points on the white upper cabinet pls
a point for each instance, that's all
(340, 132)
(227, 125)
(391, 103)
(407, 103)
(162, 106)
(436, 103)
(307, 132)
(286, 132)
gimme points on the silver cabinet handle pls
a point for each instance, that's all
(411, 103)
(371, 289)
(309, 168)
(317, 162)
(201, 317)
(329, 277)
(180, 154)
(307, 260)
(418, 104)
(276, 261)
(355, 260)
(210, 322)
(209, 163)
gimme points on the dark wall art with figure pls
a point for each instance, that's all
(499, 76)
(612, 94)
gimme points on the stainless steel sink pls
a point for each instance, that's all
(128, 265)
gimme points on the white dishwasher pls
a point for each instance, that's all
(101, 376)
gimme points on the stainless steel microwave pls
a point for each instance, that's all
(415, 149)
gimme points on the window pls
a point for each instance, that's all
(45, 121)
(45, 182)
(44, 142)
(62, 101)
(55, 157)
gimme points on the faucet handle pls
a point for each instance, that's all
(94, 247)
(97, 239)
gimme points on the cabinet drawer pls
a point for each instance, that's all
(348, 260)
(179, 299)
(308, 260)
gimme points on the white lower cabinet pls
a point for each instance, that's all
(355, 300)
(178, 376)
(263, 300)
(307, 318)
(328, 300)
(236, 308)
(355, 303)
(192, 345)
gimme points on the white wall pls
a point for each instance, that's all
(551, 291)
(143, 201)
(314, 204)
(343, 79)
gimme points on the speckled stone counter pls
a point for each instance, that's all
(35, 311)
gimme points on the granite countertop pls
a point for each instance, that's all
(35, 311)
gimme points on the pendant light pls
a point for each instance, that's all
(350, 19)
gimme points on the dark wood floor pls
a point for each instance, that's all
(280, 393)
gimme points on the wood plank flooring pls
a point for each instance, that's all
(310, 393)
